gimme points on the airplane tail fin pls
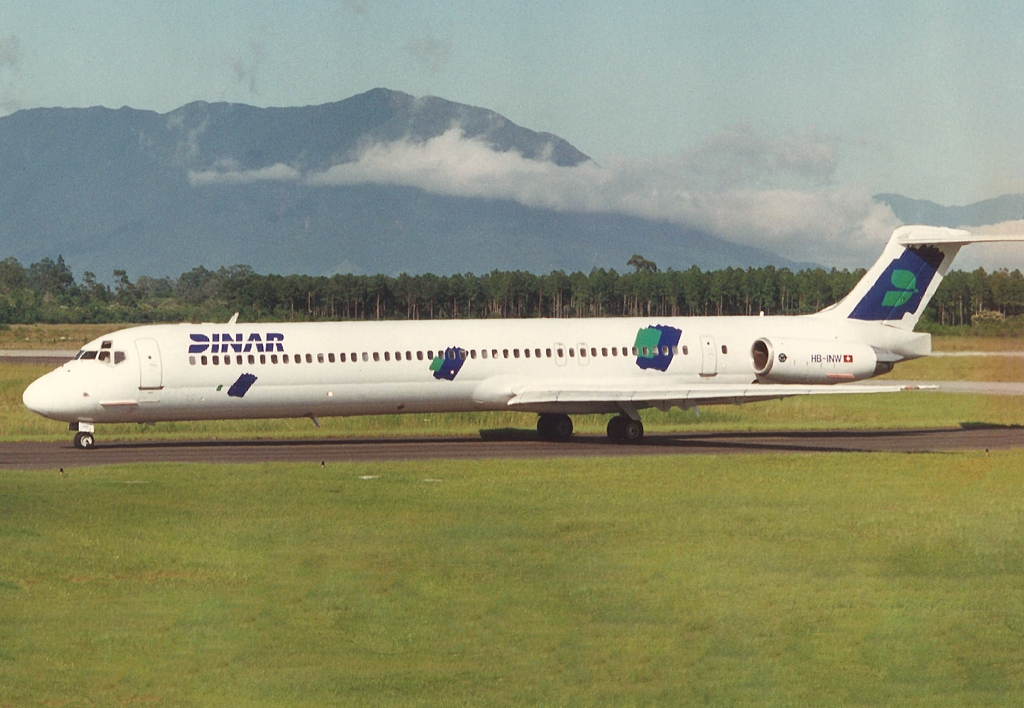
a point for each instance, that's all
(897, 288)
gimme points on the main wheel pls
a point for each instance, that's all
(554, 426)
(84, 441)
(625, 430)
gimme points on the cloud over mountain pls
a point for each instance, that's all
(728, 186)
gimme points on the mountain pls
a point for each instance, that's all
(111, 189)
(1009, 207)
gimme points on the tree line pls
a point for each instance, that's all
(48, 292)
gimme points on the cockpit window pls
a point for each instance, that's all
(107, 344)
(89, 355)
(78, 355)
(104, 356)
(119, 357)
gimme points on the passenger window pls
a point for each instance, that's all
(104, 356)
(408, 356)
(273, 358)
(216, 360)
(583, 352)
(634, 350)
(419, 355)
(686, 350)
(462, 354)
(561, 353)
(572, 352)
(615, 351)
(319, 358)
(547, 352)
(593, 351)
(341, 358)
(430, 354)
(515, 353)
(536, 353)
(725, 349)
(376, 356)
(472, 353)
(387, 356)
(298, 358)
(238, 359)
(604, 351)
(483, 353)
(330, 357)
(494, 353)
(203, 360)
(252, 359)
(284, 358)
(263, 358)
(192, 361)
(664, 350)
(527, 353)
(366, 357)
(505, 353)
(309, 358)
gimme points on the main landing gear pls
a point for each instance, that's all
(621, 428)
(554, 426)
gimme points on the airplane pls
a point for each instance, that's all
(553, 367)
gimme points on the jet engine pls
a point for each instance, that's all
(807, 361)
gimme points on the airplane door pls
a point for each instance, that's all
(709, 357)
(151, 373)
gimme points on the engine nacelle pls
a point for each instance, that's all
(807, 361)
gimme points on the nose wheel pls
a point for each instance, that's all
(622, 429)
(84, 441)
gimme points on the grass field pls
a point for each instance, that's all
(784, 580)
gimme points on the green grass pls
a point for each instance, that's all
(825, 579)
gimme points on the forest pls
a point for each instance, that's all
(47, 292)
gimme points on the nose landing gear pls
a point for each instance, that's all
(84, 441)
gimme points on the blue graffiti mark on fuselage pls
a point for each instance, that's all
(447, 366)
(894, 293)
(241, 387)
(659, 354)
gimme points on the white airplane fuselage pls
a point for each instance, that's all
(160, 380)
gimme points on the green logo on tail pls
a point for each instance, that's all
(906, 282)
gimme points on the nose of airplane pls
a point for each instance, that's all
(36, 397)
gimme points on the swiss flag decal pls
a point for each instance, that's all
(847, 358)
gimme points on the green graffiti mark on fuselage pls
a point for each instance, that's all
(647, 341)
(437, 363)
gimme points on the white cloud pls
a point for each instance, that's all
(228, 173)
(430, 51)
(10, 52)
(820, 224)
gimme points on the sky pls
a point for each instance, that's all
(793, 112)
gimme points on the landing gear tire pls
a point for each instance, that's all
(622, 429)
(554, 426)
(84, 441)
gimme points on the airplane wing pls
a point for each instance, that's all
(700, 394)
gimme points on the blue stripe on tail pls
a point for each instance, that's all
(901, 286)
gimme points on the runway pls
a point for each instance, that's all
(503, 444)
